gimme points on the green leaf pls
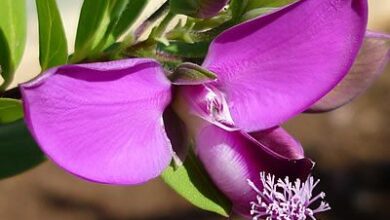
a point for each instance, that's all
(10, 110)
(209, 23)
(13, 23)
(267, 3)
(257, 8)
(238, 8)
(196, 8)
(256, 12)
(192, 182)
(6, 65)
(121, 15)
(18, 151)
(247, 9)
(133, 10)
(91, 28)
(115, 9)
(12, 36)
(185, 7)
(53, 49)
(102, 23)
(187, 50)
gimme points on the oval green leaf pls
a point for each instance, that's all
(238, 8)
(197, 50)
(53, 49)
(12, 36)
(114, 10)
(253, 4)
(243, 10)
(101, 23)
(18, 151)
(121, 15)
(6, 66)
(257, 8)
(10, 110)
(93, 23)
(192, 182)
(132, 11)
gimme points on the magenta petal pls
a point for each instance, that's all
(281, 142)
(232, 157)
(370, 63)
(177, 133)
(205, 102)
(276, 66)
(102, 121)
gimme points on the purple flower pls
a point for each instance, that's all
(105, 122)
(268, 70)
(285, 200)
(230, 155)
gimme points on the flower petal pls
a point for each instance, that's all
(281, 142)
(205, 102)
(102, 121)
(370, 63)
(233, 157)
(276, 66)
(177, 133)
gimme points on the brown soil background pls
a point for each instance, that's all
(350, 146)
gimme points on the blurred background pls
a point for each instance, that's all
(350, 145)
